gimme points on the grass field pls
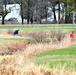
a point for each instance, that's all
(60, 55)
(58, 58)
(24, 29)
(29, 28)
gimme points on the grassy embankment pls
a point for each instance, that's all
(64, 57)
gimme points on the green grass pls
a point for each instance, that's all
(35, 27)
(57, 58)
(64, 51)
(4, 41)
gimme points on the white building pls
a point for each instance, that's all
(15, 12)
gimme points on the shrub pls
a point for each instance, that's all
(12, 46)
(40, 36)
(10, 32)
(58, 35)
(48, 36)
(16, 46)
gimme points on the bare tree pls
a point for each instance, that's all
(41, 10)
(53, 7)
(4, 11)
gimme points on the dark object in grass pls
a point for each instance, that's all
(15, 32)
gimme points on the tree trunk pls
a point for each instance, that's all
(40, 20)
(54, 14)
(31, 18)
(28, 12)
(5, 12)
(46, 13)
(28, 17)
(65, 5)
(22, 20)
(3, 20)
(22, 12)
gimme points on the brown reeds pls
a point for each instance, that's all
(31, 69)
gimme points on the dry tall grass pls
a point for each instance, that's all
(31, 69)
(12, 46)
(18, 65)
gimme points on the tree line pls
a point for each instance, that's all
(36, 10)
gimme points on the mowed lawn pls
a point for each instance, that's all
(59, 58)
(35, 27)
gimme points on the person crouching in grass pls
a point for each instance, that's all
(15, 32)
